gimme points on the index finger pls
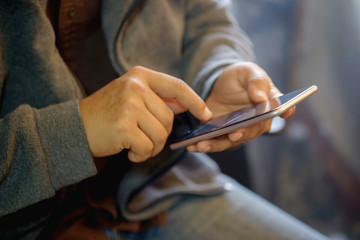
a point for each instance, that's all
(166, 86)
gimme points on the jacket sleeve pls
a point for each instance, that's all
(43, 146)
(212, 41)
(41, 150)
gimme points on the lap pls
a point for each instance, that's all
(236, 214)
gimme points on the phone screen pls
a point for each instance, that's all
(188, 130)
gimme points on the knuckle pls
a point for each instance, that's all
(131, 105)
(179, 84)
(138, 70)
(123, 129)
(134, 85)
(159, 142)
(259, 79)
(168, 121)
(147, 150)
(218, 148)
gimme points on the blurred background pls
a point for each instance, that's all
(312, 168)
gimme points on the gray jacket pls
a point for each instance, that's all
(43, 145)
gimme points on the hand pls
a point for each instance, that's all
(238, 86)
(131, 112)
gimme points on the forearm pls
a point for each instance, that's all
(41, 150)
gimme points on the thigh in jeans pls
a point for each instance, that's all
(236, 214)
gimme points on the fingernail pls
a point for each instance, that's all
(207, 149)
(236, 136)
(191, 148)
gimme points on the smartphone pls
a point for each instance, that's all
(188, 130)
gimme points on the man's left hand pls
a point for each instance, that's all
(238, 86)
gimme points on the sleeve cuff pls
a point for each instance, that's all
(65, 145)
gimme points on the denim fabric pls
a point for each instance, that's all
(236, 214)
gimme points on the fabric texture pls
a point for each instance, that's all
(42, 139)
(236, 214)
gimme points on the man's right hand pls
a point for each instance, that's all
(136, 112)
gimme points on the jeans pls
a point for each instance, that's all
(235, 214)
